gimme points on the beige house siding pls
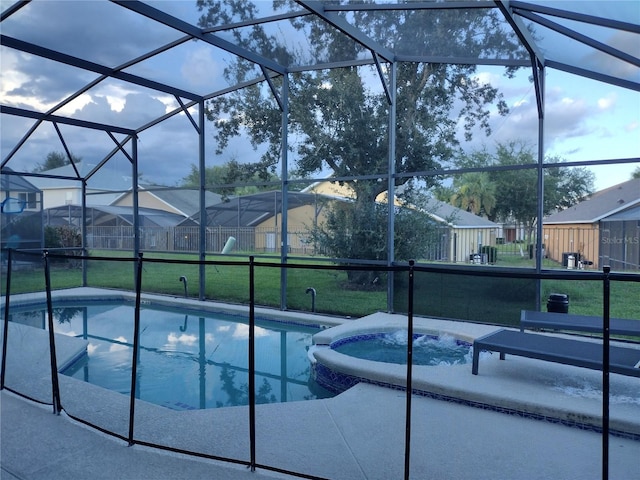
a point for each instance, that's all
(300, 221)
(581, 238)
(467, 241)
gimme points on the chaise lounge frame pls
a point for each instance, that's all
(530, 319)
(587, 354)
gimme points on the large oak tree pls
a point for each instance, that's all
(339, 118)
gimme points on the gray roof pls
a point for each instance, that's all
(250, 210)
(16, 183)
(186, 201)
(632, 213)
(600, 205)
(148, 217)
(456, 217)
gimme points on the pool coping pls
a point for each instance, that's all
(168, 301)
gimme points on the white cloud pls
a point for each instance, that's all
(241, 331)
(116, 347)
(182, 339)
(632, 126)
(199, 67)
(608, 102)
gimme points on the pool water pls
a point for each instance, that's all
(187, 361)
(392, 348)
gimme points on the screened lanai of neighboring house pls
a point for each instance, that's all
(154, 92)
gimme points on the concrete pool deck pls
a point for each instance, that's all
(356, 435)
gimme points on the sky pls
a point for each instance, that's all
(584, 119)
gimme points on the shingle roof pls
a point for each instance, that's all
(600, 205)
(458, 218)
(250, 210)
(185, 200)
(148, 217)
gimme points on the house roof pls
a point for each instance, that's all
(600, 205)
(148, 217)
(185, 201)
(632, 213)
(16, 183)
(250, 210)
(456, 217)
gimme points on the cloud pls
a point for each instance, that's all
(632, 127)
(199, 67)
(608, 102)
(183, 339)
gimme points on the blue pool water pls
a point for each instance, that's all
(392, 348)
(186, 361)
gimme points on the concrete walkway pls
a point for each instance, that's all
(357, 435)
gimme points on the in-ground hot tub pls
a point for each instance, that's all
(374, 350)
(391, 347)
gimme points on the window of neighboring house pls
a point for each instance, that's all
(30, 199)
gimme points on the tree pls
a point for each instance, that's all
(344, 235)
(340, 122)
(515, 190)
(220, 179)
(55, 160)
(475, 193)
(635, 173)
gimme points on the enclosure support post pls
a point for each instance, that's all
(203, 206)
(284, 205)
(83, 230)
(407, 440)
(540, 203)
(55, 386)
(7, 296)
(606, 291)
(391, 187)
(136, 348)
(252, 366)
(136, 216)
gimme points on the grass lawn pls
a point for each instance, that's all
(229, 283)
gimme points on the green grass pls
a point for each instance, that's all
(229, 283)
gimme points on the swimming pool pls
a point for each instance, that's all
(187, 360)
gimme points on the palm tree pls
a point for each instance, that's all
(475, 193)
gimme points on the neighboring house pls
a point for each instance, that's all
(604, 229)
(21, 217)
(462, 235)
(468, 232)
(66, 187)
(256, 221)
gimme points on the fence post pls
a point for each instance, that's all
(136, 348)
(252, 366)
(407, 441)
(6, 320)
(606, 290)
(55, 386)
